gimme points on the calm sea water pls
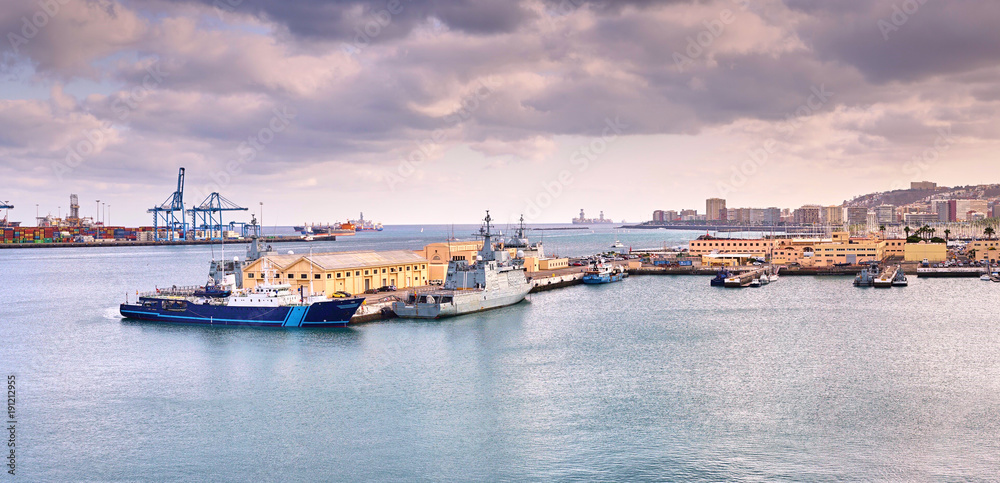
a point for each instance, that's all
(654, 378)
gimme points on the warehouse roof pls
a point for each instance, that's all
(342, 260)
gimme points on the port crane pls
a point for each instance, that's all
(167, 213)
(209, 212)
(5, 205)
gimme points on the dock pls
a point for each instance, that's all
(743, 279)
(950, 272)
(885, 279)
(134, 243)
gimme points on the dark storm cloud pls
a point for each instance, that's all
(903, 40)
(341, 20)
(561, 68)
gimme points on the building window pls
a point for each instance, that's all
(338, 274)
(329, 275)
(250, 275)
(358, 273)
(383, 270)
(407, 268)
(291, 275)
(422, 267)
(366, 272)
(393, 270)
(303, 276)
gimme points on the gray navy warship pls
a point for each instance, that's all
(494, 280)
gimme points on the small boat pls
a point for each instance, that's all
(755, 282)
(603, 272)
(773, 276)
(617, 244)
(986, 277)
(212, 290)
(867, 276)
(900, 279)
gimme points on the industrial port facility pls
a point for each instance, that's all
(173, 222)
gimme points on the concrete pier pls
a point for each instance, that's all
(950, 272)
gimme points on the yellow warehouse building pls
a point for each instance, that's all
(352, 272)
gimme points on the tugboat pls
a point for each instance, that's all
(867, 276)
(720, 277)
(900, 279)
(221, 302)
(600, 271)
(494, 280)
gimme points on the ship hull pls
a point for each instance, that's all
(334, 313)
(605, 278)
(461, 304)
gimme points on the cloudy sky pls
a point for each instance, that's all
(423, 111)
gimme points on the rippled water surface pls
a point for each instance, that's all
(654, 378)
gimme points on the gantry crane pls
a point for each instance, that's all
(167, 212)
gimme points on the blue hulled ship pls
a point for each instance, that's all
(261, 306)
(600, 271)
(223, 301)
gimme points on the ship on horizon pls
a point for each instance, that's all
(583, 220)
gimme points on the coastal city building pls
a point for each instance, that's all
(715, 209)
(808, 215)
(832, 215)
(807, 252)
(856, 215)
(886, 214)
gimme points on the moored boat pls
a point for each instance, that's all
(600, 271)
(720, 278)
(494, 280)
(223, 302)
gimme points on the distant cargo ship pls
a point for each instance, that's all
(327, 229)
(361, 224)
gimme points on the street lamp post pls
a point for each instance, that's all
(97, 219)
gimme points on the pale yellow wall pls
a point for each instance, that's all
(530, 264)
(553, 263)
(986, 250)
(933, 252)
(352, 280)
(786, 251)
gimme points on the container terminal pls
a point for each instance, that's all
(174, 223)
